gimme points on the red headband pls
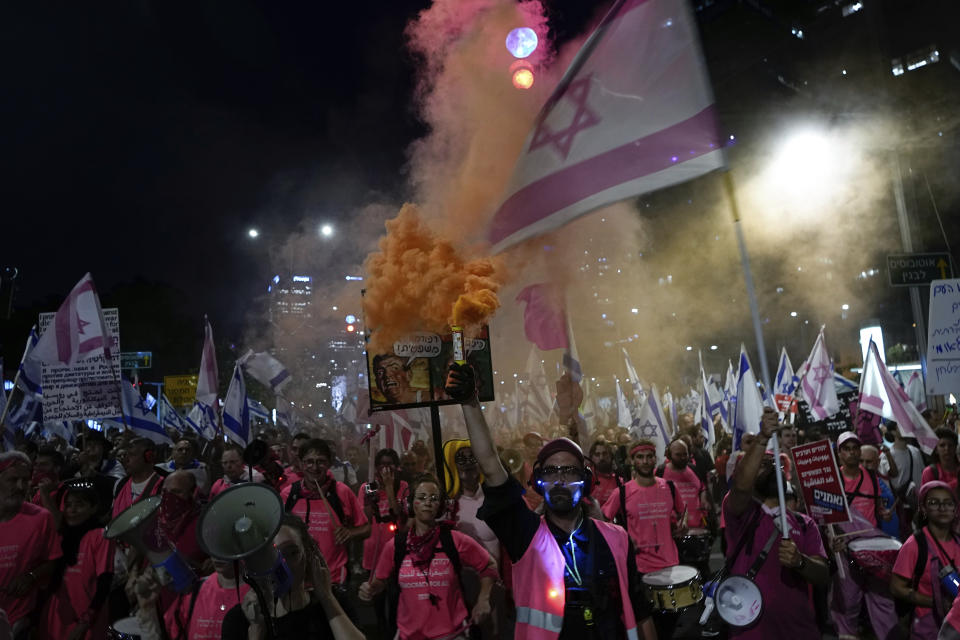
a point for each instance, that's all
(641, 447)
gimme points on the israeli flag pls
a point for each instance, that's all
(786, 382)
(138, 416)
(171, 418)
(266, 369)
(749, 411)
(203, 419)
(236, 410)
(258, 410)
(29, 378)
(651, 423)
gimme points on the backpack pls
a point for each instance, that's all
(400, 552)
(294, 496)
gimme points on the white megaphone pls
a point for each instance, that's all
(738, 601)
(239, 524)
(137, 526)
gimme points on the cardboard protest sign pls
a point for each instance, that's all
(413, 373)
(943, 338)
(86, 390)
(820, 483)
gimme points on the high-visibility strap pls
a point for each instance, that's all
(541, 619)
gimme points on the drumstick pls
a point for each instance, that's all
(852, 533)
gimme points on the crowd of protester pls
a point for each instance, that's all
(518, 535)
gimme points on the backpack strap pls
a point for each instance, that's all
(935, 470)
(119, 486)
(623, 504)
(921, 540)
(673, 491)
(335, 503)
(450, 550)
(292, 497)
(659, 470)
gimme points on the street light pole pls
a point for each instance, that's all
(907, 241)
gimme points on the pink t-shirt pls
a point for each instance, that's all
(322, 526)
(690, 487)
(787, 612)
(211, 607)
(907, 560)
(418, 618)
(606, 484)
(125, 499)
(944, 476)
(650, 512)
(73, 597)
(867, 507)
(380, 532)
(27, 540)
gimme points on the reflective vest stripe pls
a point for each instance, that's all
(542, 619)
(632, 634)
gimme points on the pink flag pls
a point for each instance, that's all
(634, 113)
(207, 380)
(816, 381)
(880, 394)
(544, 321)
(78, 331)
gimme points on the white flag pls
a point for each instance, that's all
(77, 331)
(266, 369)
(816, 382)
(749, 408)
(624, 419)
(634, 113)
(880, 394)
(236, 411)
(917, 391)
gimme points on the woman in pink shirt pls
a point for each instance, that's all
(944, 464)
(431, 603)
(83, 575)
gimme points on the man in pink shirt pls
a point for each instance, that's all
(751, 514)
(857, 587)
(142, 480)
(234, 471)
(652, 508)
(677, 470)
(329, 508)
(601, 452)
(29, 544)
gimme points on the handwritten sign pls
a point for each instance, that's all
(86, 390)
(820, 483)
(418, 345)
(943, 338)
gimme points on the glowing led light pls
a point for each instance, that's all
(326, 230)
(793, 314)
(845, 307)
(689, 348)
(351, 328)
(553, 593)
(253, 233)
(350, 319)
(523, 78)
(713, 347)
(521, 42)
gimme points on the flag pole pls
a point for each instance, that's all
(6, 406)
(758, 335)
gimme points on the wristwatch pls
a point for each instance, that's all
(803, 563)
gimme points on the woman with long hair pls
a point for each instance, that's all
(307, 611)
(431, 604)
(935, 545)
(82, 577)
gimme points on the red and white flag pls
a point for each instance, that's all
(816, 381)
(78, 331)
(634, 113)
(880, 394)
(207, 380)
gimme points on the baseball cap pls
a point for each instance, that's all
(847, 436)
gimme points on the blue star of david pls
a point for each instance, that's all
(583, 118)
(143, 408)
(648, 430)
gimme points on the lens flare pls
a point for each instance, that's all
(523, 78)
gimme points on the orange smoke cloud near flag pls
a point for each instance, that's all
(419, 281)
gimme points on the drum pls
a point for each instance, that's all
(875, 556)
(673, 588)
(124, 629)
(694, 546)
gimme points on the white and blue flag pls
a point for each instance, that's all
(266, 369)
(258, 410)
(28, 379)
(236, 410)
(651, 423)
(749, 408)
(786, 382)
(169, 415)
(138, 416)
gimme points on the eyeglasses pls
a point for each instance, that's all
(423, 497)
(315, 462)
(566, 474)
(943, 505)
(465, 459)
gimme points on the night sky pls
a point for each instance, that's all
(142, 139)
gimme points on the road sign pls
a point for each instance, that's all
(180, 390)
(918, 269)
(136, 359)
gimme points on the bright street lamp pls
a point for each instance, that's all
(326, 230)
(253, 233)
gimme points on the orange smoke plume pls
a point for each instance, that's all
(418, 281)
